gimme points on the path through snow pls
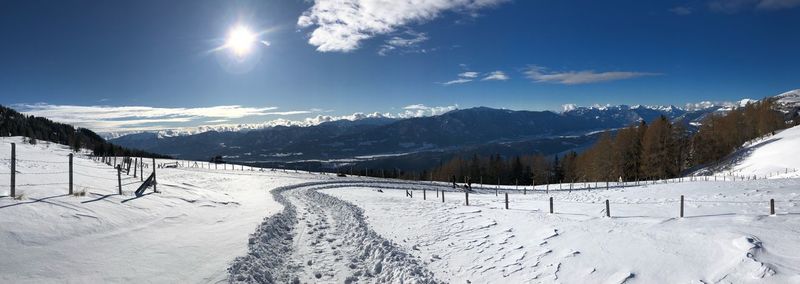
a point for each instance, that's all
(321, 238)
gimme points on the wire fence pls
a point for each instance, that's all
(534, 205)
(109, 173)
(75, 174)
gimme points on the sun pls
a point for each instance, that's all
(241, 40)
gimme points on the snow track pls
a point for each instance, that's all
(319, 238)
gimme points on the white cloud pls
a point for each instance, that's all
(457, 81)
(115, 121)
(408, 44)
(735, 6)
(777, 4)
(468, 74)
(681, 10)
(111, 118)
(341, 25)
(542, 75)
(420, 110)
(495, 76)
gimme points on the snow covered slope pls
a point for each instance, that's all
(189, 233)
(772, 156)
(727, 235)
(208, 226)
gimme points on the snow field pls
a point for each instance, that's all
(190, 232)
(726, 236)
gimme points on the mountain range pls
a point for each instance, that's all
(425, 141)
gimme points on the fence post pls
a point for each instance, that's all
(466, 196)
(551, 205)
(772, 207)
(141, 169)
(128, 169)
(506, 200)
(70, 173)
(135, 167)
(119, 179)
(424, 195)
(13, 169)
(155, 188)
(608, 209)
(442, 195)
(681, 206)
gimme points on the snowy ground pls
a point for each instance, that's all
(190, 232)
(768, 157)
(727, 235)
(209, 225)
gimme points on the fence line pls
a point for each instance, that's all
(124, 165)
(504, 202)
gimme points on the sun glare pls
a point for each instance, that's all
(241, 40)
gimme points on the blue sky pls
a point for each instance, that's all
(90, 62)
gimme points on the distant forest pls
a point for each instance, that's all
(13, 123)
(659, 150)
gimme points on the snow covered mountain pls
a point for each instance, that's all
(425, 139)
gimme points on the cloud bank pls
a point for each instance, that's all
(114, 121)
(110, 118)
(542, 75)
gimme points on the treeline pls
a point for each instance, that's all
(658, 150)
(13, 123)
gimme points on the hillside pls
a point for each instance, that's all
(13, 123)
(187, 233)
(771, 156)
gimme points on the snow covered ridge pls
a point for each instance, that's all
(790, 98)
(767, 156)
(660, 108)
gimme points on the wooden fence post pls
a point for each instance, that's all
(70, 173)
(506, 200)
(119, 179)
(551, 205)
(141, 169)
(608, 209)
(442, 195)
(772, 207)
(424, 195)
(135, 166)
(466, 196)
(681, 206)
(155, 189)
(13, 169)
